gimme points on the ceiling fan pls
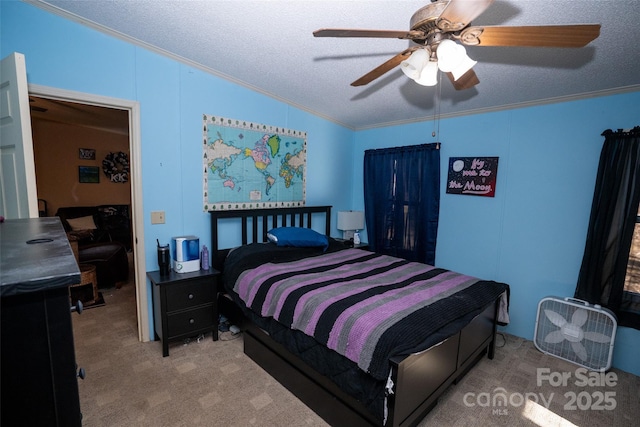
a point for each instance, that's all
(435, 29)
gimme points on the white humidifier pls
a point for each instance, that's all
(186, 254)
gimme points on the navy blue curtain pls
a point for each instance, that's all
(613, 218)
(402, 201)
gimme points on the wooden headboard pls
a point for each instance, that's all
(269, 218)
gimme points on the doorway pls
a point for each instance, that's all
(100, 116)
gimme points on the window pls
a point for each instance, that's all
(409, 213)
(631, 294)
(632, 279)
(402, 199)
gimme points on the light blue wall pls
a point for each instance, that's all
(173, 98)
(531, 235)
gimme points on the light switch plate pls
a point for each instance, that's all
(157, 217)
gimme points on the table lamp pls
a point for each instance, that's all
(350, 222)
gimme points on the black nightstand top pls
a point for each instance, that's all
(361, 245)
(173, 277)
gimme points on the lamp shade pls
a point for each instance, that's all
(350, 220)
(413, 65)
(450, 54)
(465, 65)
(429, 75)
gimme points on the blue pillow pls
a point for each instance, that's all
(298, 236)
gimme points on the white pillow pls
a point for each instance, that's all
(82, 223)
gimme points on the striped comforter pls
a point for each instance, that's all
(367, 307)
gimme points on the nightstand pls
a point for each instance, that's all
(184, 305)
(349, 243)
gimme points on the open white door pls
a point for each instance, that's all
(18, 192)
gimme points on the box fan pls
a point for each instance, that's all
(576, 331)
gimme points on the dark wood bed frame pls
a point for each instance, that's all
(419, 379)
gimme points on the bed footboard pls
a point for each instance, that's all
(420, 379)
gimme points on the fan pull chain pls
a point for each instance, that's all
(436, 109)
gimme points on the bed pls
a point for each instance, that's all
(361, 338)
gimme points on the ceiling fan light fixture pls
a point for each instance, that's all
(412, 66)
(450, 55)
(438, 27)
(429, 75)
(465, 65)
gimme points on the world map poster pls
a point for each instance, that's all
(249, 165)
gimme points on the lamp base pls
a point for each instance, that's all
(347, 234)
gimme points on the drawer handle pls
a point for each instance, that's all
(190, 296)
(77, 308)
(191, 321)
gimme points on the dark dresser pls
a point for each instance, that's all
(39, 385)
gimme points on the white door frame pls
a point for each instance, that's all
(133, 107)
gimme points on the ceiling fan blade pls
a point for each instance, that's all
(389, 34)
(533, 36)
(381, 69)
(459, 13)
(466, 81)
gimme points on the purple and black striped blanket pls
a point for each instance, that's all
(367, 307)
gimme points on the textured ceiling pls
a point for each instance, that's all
(268, 46)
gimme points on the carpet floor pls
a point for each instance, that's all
(207, 383)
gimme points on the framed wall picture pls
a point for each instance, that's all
(251, 165)
(86, 154)
(475, 176)
(89, 174)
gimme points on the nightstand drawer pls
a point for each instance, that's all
(190, 294)
(189, 321)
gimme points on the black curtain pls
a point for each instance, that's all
(611, 225)
(402, 201)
